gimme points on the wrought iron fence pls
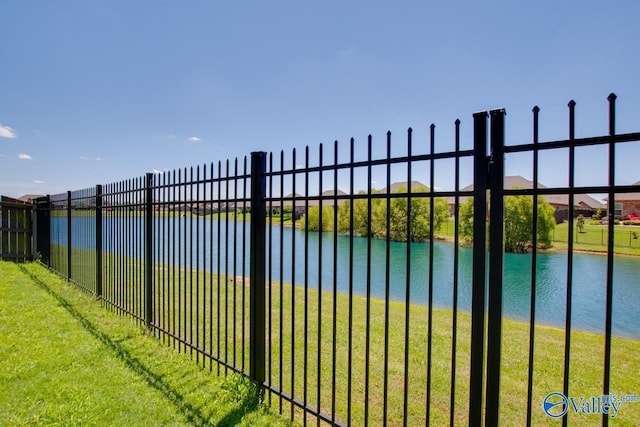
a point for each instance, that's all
(15, 229)
(339, 326)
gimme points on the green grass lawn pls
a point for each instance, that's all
(594, 238)
(126, 346)
(65, 360)
(586, 368)
(586, 371)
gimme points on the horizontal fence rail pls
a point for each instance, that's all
(350, 305)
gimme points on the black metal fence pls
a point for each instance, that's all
(337, 326)
(15, 229)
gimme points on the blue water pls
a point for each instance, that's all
(317, 268)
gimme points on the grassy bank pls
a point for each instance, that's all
(65, 360)
(300, 354)
(587, 355)
(594, 238)
(307, 319)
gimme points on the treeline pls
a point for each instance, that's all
(383, 219)
(518, 219)
(518, 223)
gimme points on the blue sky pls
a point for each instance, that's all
(95, 91)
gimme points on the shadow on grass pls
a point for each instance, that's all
(243, 393)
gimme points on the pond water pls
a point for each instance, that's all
(317, 268)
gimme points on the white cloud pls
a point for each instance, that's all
(7, 132)
(37, 181)
(97, 159)
(23, 156)
(195, 139)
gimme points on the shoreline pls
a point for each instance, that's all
(448, 310)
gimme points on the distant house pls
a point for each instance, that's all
(582, 203)
(328, 197)
(626, 204)
(329, 194)
(416, 186)
(296, 201)
(28, 198)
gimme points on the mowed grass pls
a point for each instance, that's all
(208, 310)
(301, 351)
(586, 368)
(65, 360)
(594, 238)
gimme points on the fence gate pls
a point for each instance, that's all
(16, 229)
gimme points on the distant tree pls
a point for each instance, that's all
(465, 215)
(580, 223)
(361, 216)
(287, 212)
(518, 223)
(344, 217)
(420, 220)
(546, 223)
(598, 215)
(312, 220)
(397, 217)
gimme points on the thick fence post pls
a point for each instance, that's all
(610, 252)
(42, 230)
(496, 221)
(257, 267)
(148, 250)
(99, 241)
(69, 235)
(479, 266)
